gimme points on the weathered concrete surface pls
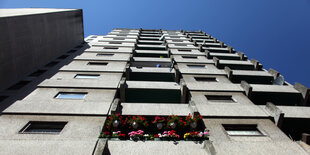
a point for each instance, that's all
(155, 109)
(104, 57)
(43, 101)
(67, 79)
(152, 85)
(197, 59)
(240, 107)
(79, 135)
(208, 69)
(219, 79)
(273, 141)
(106, 50)
(32, 37)
(208, 86)
(155, 148)
(83, 66)
(186, 52)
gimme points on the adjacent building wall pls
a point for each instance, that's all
(30, 38)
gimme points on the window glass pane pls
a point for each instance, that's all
(206, 79)
(98, 63)
(189, 57)
(243, 132)
(196, 66)
(105, 55)
(219, 98)
(86, 76)
(71, 95)
(242, 129)
(43, 127)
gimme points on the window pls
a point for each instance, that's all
(71, 51)
(70, 95)
(19, 85)
(196, 66)
(115, 42)
(87, 76)
(114, 48)
(189, 57)
(184, 50)
(121, 35)
(220, 98)
(242, 130)
(118, 38)
(180, 44)
(63, 57)
(108, 55)
(98, 63)
(206, 79)
(51, 64)
(37, 73)
(43, 127)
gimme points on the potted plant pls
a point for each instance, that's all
(136, 121)
(115, 135)
(146, 137)
(164, 135)
(156, 137)
(113, 121)
(105, 134)
(159, 122)
(197, 136)
(204, 135)
(192, 120)
(174, 121)
(136, 135)
(173, 135)
(122, 136)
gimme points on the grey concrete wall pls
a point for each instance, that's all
(30, 41)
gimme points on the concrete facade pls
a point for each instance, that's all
(157, 73)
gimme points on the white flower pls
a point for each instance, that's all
(146, 135)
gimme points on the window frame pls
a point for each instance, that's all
(241, 128)
(85, 93)
(215, 79)
(89, 75)
(26, 127)
(232, 100)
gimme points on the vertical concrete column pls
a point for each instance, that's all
(247, 88)
(274, 73)
(184, 91)
(123, 89)
(177, 73)
(193, 108)
(216, 62)
(229, 72)
(242, 56)
(305, 93)
(305, 137)
(257, 65)
(276, 113)
(115, 107)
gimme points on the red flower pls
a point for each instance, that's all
(156, 136)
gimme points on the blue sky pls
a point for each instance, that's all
(275, 32)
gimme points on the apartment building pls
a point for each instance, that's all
(146, 72)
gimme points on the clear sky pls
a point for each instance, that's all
(275, 32)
